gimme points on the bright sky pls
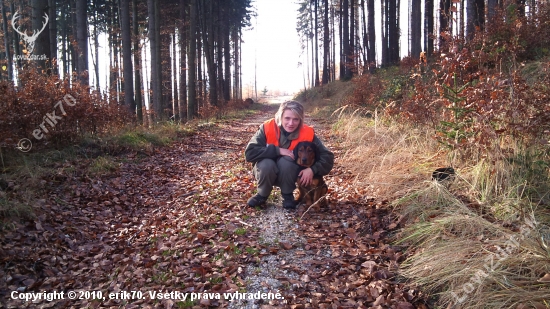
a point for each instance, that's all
(274, 43)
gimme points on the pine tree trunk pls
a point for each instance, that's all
(227, 63)
(342, 72)
(429, 27)
(219, 52)
(7, 41)
(64, 40)
(74, 38)
(316, 10)
(208, 44)
(137, 63)
(15, 40)
(235, 36)
(351, 56)
(127, 56)
(384, 26)
(163, 75)
(333, 55)
(82, 41)
(444, 25)
(52, 23)
(183, 60)
(175, 72)
(371, 51)
(192, 101)
(326, 46)
(346, 68)
(416, 28)
(42, 42)
(155, 60)
(480, 14)
(364, 37)
(393, 39)
(96, 49)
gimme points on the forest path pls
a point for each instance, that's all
(163, 228)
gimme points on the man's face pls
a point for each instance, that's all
(291, 121)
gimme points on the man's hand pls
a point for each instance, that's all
(286, 152)
(306, 177)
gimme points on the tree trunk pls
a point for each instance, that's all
(74, 38)
(137, 63)
(341, 45)
(227, 63)
(41, 25)
(364, 37)
(235, 35)
(416, 28)
(15, 39)
(155, 60)
(163, 75)
(326, 46)
(127, 56)
(183, 60)
(429, 27)
(316, 11)
(444, 18)
(371, 51)
(384, 26)
(7, 41)
(53, 36)
(393, 28)
(333, 52)
(201, 91)
(462, 21)
(192, 101)
(351, 57)
(476, 17)
(491, 9)
(82, 41)
(219, 53)
(96, 47)
(175, 72)
(345, 38)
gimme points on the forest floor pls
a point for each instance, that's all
(170, 229)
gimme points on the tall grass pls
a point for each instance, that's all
(390, 158)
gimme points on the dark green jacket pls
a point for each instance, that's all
(258, 149)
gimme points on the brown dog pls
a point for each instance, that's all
(306, 154)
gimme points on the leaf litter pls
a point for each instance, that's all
(177, 220)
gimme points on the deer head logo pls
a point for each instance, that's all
(29, 40)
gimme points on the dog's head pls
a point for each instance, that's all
(306, 154)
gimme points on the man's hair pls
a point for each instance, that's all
(294, 106)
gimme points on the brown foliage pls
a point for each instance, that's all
(46, 109)
(475, 92)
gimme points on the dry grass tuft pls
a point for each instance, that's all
(496, 269)
(390, 159)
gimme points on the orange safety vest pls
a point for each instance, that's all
(272, 134)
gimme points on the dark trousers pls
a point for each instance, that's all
(282, 173)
